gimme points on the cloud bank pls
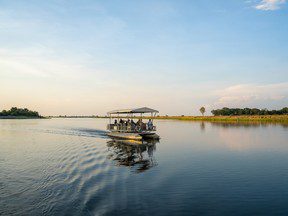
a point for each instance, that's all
(250, 94)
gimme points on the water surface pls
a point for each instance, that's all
(70, 167)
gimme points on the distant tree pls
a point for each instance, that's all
(255, 111)
(14, 111)
(284, 110)
(215, 112)
(202, 110)
(248, 111)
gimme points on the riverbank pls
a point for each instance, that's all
(21, 117)
(242, 118)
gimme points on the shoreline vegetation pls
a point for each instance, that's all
(225, 114)
(234, 119)
(19, 113)
(239, 118)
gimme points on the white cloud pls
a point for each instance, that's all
(270, 4)
(35, 62)
(247, 94)
(40, 61)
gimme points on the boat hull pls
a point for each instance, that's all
(127, 136)
(133, 136)
(149, 136)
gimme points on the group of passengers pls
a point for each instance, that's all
(139, 125)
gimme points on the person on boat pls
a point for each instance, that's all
(120, 125)
(150, 124)
(127, 125)
(139, 122)
(139, 125)
(143, 126)
(115, 122)
(133, 125)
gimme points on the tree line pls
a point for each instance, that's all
(248, 111)
(14, 111)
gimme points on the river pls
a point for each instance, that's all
(70, 167)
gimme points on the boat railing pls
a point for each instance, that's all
(130, 128)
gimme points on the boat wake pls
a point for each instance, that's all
(85, 132)
(90, 132)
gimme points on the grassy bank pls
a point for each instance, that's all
(242, 118)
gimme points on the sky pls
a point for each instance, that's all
(72, 57)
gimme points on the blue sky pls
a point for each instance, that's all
(88, 57)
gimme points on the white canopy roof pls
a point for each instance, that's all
(137, 110)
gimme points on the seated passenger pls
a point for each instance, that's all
(127, 122)
(143, 126)
(150, 125)
(133, 125)
(138, 125)
(115, 122)
(139, 122)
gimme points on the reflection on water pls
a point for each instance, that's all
(245, 136)
(133, 153)
(70, 167)
(202, 126)
(245, 124)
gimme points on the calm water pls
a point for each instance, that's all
(69, 167)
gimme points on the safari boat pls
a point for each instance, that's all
(129, 124)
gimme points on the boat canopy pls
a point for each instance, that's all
(137, 110)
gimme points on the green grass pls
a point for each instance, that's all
(243, 118)
(234, 119)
